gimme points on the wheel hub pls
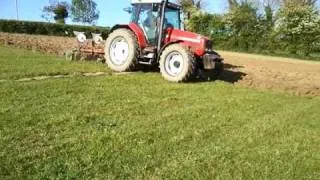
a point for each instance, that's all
(119, 51)
(174, 64)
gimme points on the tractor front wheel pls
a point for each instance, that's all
(121, 50)
(177, 64)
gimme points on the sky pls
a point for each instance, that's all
(111, 11)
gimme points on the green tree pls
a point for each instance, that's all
(191, 8)
(300, 2)
(190, 5)
(201, 23)
(298, 27)
(58, 11)
(242, 23)
(269, 7)
(210, 25)
(84, 11)
(267, 20)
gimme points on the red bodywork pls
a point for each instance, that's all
(140, 35)
(193, 41)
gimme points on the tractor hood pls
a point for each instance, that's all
(198, 43)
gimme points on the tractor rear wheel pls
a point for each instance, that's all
(121, 50)
(177, 64)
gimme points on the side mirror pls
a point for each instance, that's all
(128, 10)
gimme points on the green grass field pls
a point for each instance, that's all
(139, 126)
(16, 64)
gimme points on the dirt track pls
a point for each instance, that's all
(256, 71)
(280, 74)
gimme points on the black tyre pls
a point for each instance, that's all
(121, 50)
(177, 64)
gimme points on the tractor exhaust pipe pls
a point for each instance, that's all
(163, 9)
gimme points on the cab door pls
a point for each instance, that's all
(147, 21)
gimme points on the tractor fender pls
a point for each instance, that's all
(168, 44)
(136, 30)
(119, 26)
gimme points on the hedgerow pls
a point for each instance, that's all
(51, 29)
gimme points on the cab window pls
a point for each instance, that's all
(148, 21)
(172, 18)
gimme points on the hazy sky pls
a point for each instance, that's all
(111, 11)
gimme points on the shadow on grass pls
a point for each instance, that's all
(230, 74)
(231, 66)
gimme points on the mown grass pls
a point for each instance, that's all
(139, 126)
(19, 63)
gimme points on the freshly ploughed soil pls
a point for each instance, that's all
(264, 72)
(254, 71)
(47, 44)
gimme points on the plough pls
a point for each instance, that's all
(87, 49)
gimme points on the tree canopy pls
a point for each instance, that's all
(84, 11)
(286, 26)
(58, 11)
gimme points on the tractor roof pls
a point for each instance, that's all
(146, 1)
(170, 4)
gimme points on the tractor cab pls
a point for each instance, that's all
(147, 14)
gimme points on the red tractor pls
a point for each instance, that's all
(155, 37)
